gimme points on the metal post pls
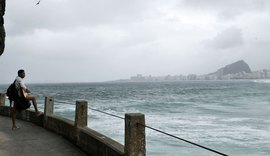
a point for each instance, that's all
(81, 113)
(135, 135)
(2, 99)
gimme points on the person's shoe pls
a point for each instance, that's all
(15, 127)
(38, 113)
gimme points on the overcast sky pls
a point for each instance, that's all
(100, 40)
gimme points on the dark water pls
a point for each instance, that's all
(232, 117)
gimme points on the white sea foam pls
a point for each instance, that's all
(262, 81)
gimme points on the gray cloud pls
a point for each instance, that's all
(65, 40)
(59, 15)
(228, 9)
(229, 38)
(220, 5)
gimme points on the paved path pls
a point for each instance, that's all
(32, 140)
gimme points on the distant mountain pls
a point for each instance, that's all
(234, 68)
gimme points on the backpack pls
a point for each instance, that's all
(12, 92)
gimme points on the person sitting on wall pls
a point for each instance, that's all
(24, 98)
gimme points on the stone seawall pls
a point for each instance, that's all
(77, 132)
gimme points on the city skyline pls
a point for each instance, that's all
(260, 74)
(237, 70)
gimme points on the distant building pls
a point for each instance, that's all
(139, 77)
(192, 77)
(268, 74)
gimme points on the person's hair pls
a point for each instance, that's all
(20, 71)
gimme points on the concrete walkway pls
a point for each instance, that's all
(32, 140)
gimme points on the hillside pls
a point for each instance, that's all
(236, 67)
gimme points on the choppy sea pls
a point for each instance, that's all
(232, 117)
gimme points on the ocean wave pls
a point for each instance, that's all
(262, 81)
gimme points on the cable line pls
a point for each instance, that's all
(93, 110)
(157, 130)
(209, 149)
(106, 113)
(63, 102)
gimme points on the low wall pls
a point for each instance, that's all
(27, 115)
(61, 126)
(77, 132)
(93, 142)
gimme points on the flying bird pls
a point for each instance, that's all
(38, 2)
